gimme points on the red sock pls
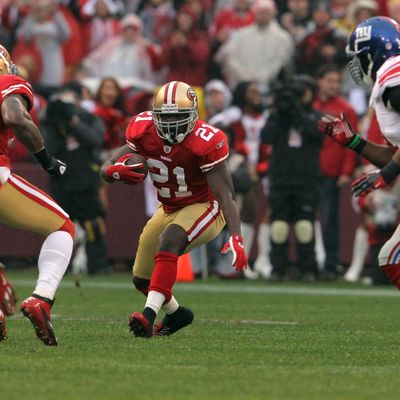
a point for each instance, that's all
(164, 274)
(393, 273)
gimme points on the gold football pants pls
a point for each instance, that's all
(24, 206)
(201, 221)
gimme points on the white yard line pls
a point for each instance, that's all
(246, 321)
(234, 288)
(217, 321)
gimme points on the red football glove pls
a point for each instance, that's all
(125, 173)
(235, 244)
(339, 129)
(368, 183)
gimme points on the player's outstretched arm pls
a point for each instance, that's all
(220, 181)
(15, 115)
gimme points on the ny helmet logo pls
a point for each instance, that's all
(363, 34)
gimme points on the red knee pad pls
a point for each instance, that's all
(68, 227)
(393, 273)
(164, 274)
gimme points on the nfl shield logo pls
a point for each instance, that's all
(167, 149)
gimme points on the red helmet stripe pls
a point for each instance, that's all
(170, 92)
(174, 89)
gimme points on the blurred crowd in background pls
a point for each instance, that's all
(263, 69)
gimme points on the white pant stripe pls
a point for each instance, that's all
(37, 194)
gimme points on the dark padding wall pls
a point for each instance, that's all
(126, 218)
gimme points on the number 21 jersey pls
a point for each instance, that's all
(178, 171)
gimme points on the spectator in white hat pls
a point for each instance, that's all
(128, 55)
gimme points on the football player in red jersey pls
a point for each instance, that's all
(26, 207)
(187, 164)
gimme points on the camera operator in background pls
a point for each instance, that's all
(292, 131)
(76, 136)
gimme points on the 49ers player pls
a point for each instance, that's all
(374, 46)
(26, 207)
(187, 164)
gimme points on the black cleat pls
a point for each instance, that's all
(171, 323)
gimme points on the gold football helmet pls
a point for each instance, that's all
(175, 111)
(7, 67)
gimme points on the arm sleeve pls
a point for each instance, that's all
(216, 152)
(17, 85)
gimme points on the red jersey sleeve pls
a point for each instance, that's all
(213, 145)
(137, 127)
(12, 84)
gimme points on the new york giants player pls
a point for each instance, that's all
(24, 206)
(374, 46)
(187, 164)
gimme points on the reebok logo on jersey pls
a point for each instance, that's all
(220, 144)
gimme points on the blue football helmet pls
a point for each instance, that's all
(371, 43)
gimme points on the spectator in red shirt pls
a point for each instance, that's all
(100, 23)
(324, 45)
(229, 19)
(109, 106)
(337, 165)
(186, 52)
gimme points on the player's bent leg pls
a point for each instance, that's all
(389, 258)
(202, 223)
(35, 211)
(172, 243)
(193, 225)
(53, 261)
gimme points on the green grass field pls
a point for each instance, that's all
(248, 341)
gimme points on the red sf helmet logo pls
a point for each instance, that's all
(191, 94)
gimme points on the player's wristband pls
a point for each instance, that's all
(390, 171)
(43, 157)
(357, 144)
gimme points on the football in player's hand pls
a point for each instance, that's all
(138, 159)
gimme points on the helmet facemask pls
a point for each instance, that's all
(174, 130)
(360, 66)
